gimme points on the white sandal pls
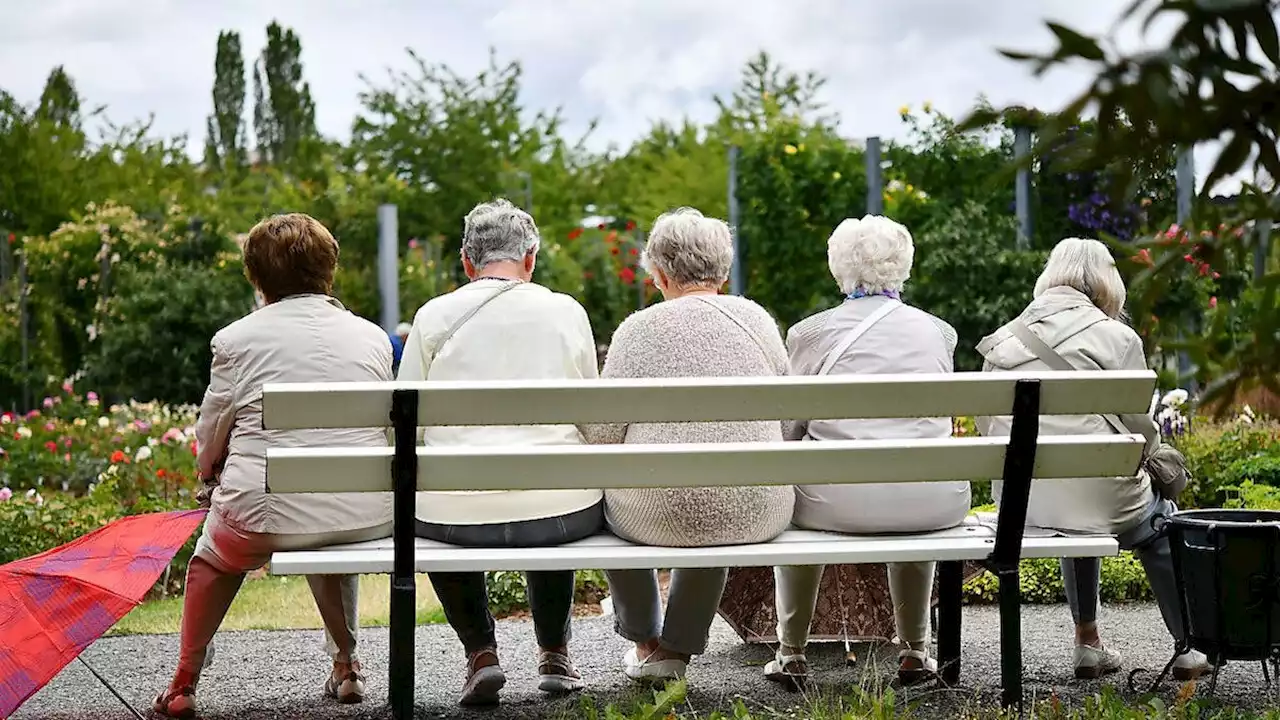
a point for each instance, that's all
(776, 670)
(927, 670)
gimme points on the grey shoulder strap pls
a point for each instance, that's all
(471, 313)
(755, 337)
(1050, 357)
(858, 331)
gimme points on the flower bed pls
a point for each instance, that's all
(76, 465)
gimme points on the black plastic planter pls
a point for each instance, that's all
(1227, 567)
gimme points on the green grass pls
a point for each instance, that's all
(877, 702)
(279, 603)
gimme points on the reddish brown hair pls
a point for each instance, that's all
(290, 254)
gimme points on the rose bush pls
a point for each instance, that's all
(74, 442)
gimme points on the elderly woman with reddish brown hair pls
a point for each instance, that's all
(302, 334)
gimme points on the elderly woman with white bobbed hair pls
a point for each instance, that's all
(871, 332)
(1076, 314)
(695, 332)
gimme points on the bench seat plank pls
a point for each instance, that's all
(607, 552)
(337, 469)
(552, 402)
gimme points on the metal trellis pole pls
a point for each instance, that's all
(875, 177)
(735, 222)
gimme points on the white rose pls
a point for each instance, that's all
(24, 431)
(143, 453)
(1174, 398)
(103, 421)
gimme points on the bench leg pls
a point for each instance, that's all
(1010, 638)
(950, 618)
(400, 669)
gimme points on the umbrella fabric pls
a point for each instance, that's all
(55, 604)
(853, 603)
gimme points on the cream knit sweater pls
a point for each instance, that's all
(687, 337)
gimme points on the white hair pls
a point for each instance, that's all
(497, 231)
(689, 248)
(873, 255)
(1085, 265)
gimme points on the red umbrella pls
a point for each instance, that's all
(55, 604)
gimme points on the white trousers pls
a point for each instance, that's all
(796, 596)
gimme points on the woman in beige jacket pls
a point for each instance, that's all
(301, 335)
(1076, 311)
(695, 332)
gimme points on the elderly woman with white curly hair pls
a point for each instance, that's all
(1075, 319)
(694, 332)
(871, 332)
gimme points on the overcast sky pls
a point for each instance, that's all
(623, 62)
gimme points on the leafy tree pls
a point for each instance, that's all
(225, 145)
(766, 92)
(284, 117)
(1216, 80)
(454, 141)
(59, 101)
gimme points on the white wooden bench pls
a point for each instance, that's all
(408, 467)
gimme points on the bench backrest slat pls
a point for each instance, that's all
(622, 466)
(346, 405)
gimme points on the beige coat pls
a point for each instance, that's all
(304, 338)
(908, 340)
(687, 337)
(1095, 505)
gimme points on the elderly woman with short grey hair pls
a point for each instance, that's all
(694, 332)
(1075, 319)
(871, 332)
(503, 326)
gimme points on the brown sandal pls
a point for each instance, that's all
(180, 703)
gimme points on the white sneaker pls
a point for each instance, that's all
(654, 672)
(1092, 663)
(1190, 665)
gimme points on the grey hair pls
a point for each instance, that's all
(689, 248)
(497, 231)
(1087, 266)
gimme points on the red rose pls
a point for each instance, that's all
(118, 457)
(575, 233)
(160, 473)
(600, 226)
(628, 275)
(634, 252)
(51, 446)
(631, 225)
(613, 250)
(1213, 302)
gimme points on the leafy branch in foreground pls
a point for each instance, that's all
(1214, 81)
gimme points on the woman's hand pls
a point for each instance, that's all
(204, 498)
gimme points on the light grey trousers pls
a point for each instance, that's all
(796, 597)
(692, 601)
(1082, 577)
(225, 553)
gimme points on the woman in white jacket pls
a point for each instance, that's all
(872, 332)
(1076, 311)
(503, 326)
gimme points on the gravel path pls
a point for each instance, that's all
(277, 674)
